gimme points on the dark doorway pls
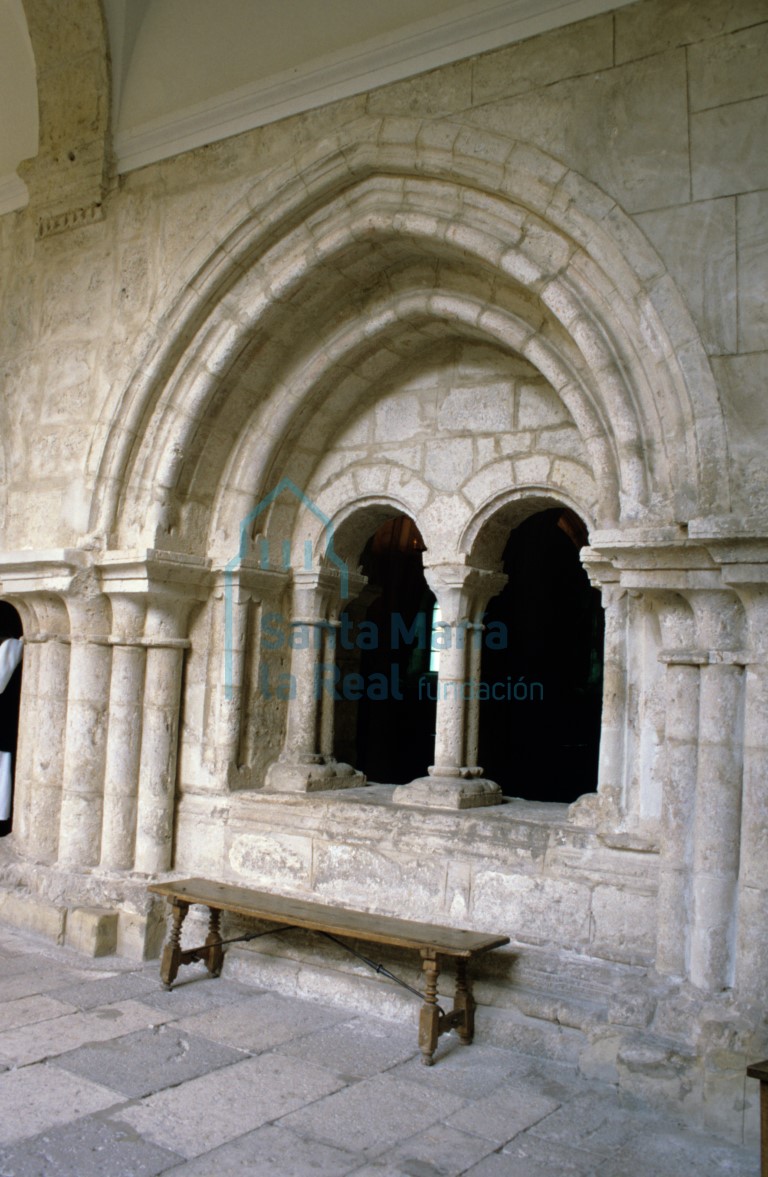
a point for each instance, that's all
(385, 726)
(10, 699)
(539, 739)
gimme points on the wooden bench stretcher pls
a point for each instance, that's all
(435, 944)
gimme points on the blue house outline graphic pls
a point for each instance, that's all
(229, 570)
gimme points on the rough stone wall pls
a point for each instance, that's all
(535, 276)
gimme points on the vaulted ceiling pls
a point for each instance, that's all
(188, 72)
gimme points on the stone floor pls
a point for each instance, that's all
(103, 1074)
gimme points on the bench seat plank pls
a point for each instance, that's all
(340, 921)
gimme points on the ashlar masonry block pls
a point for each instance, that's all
(92, 930)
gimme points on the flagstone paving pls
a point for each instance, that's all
(104, 1074)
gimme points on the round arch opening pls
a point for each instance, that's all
(540, 721)
(384, 723)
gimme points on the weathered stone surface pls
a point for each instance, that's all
(272, 1151)
(698, 245)
(402, 1109)
(237, 1099)
(729, 69)
(92, 930)
(501, 1116)
(752, 216)
(356, 1048)
(33, 914)
(147, 1061)
(89, 1147)
(41, 1040)
(259, 1023)
(606, 126)
(582, 48)
(90, 992)
(729, 149)
(39, 1097)
(656, 26)
(24, 1011)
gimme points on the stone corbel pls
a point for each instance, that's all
(455, 780)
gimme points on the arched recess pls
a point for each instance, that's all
(358, 254)
(542, 661)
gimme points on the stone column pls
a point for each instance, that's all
(163, 588)
(455, 780)
(165, 646)
(42, 723)
(86, 732)
(121, 780)
(751, 977)
(679, 773)
(305, 764)
(239, 593)
(717, 821)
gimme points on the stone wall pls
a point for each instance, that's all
(531, 278)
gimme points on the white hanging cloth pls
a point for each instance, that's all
(6, 785)
(10, 657)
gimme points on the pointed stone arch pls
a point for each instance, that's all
(567, 279)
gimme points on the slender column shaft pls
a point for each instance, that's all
(303, 724)
(614, 711)
(718, 791)
(752, 947)
(327, 701)
(450, 738)
(475, 658)
(121, 780)
(679, 791)
(86, 738)
(159, 742)
(236, 612)
(716, 829)
(306, 762)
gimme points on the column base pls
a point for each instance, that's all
(291, 777)
(444, 792)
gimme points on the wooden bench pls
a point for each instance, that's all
(435, 944)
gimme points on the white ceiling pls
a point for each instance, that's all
(190, 72)
(18, 103)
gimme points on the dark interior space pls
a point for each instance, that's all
(542, 742)
(394, 734)
(10, 699)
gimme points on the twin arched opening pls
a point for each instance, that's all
(539, 690)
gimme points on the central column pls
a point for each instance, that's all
(455, 780)
(306, 765)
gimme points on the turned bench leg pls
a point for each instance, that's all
(214, 957)
(169, 965)
(429, 1019)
